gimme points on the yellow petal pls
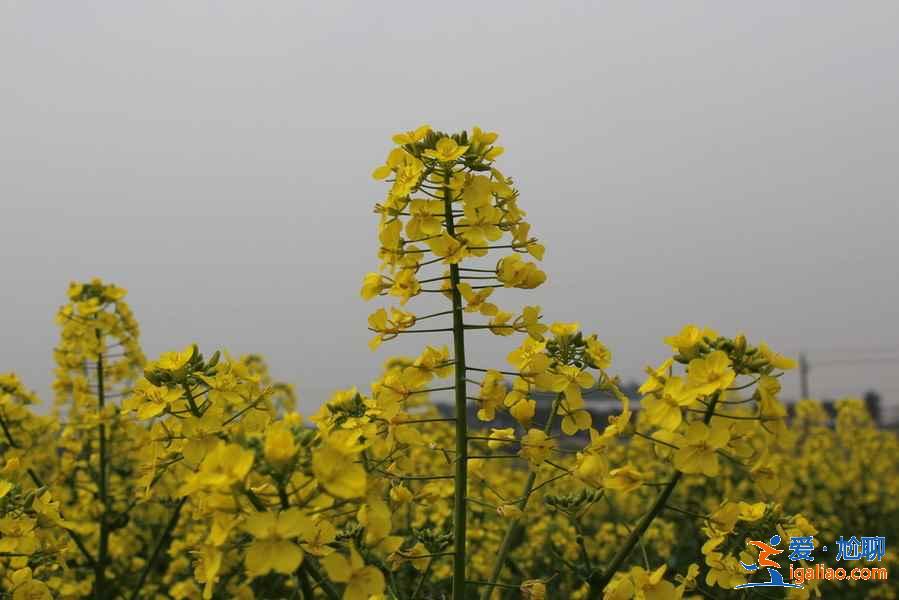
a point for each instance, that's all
(381, 172)
(337, 567)
(365, 583)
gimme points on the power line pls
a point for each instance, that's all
(888, 349)
(857, 361)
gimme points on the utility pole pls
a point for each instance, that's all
(803, 376)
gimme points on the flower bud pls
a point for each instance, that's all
(280, 447)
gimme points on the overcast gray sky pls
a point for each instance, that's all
(732, 164)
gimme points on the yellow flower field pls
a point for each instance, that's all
(192, 475)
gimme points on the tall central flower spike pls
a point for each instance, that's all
(451, 225)
(98, 359)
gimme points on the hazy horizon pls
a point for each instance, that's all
(726, 164)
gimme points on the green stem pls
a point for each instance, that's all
(103, 551)
(460, 506)
(582, 544)
(634, 538)
(282, 494)
(308, 594)
(258, 504)
(39, 483)
(421, 581)
(327, 587)
(515, 527)
(306, 568)
(429, 420)
(194, 410)
(160, 544)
